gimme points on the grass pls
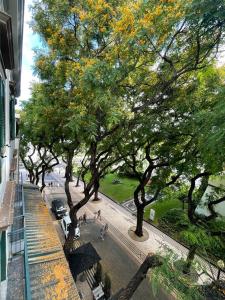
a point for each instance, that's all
(119, 192)
(161, 207)
(218, 180)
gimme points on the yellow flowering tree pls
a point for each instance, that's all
(110, 61)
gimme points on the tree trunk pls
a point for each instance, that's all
(78, 180)
(96, 188)
(68, 174)
(189, 260)
(69, 241)
(191, 213)
(139, 224)
(36, 179)
(151, 261)
(31, 176)
(96, 196)
(43, 185)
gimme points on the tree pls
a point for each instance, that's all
(151, 261)
(166, 145)
(157, 151)
(37, 147)
(111, 59)
(65, 69)
(197, 238)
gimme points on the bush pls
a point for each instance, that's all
(107, 286)
(98, 274)
(174, 220)
(125, 171)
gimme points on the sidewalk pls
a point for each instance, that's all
(120, 221)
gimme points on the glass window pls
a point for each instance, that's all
(2, 113)
(12, 118)
(3, 255)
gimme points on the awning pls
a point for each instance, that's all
(83, 258)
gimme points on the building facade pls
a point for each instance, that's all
(11, 34)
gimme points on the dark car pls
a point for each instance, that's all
(58, 208)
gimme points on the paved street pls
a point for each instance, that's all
(116, 262)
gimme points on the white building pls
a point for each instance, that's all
(11, 34)
(214, 182)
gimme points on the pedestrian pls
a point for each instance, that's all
(80, 220)
(106, 227)
(99, 214)
(85, 218)
(102, 232)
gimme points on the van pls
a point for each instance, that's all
(65, 223)
(58, 208)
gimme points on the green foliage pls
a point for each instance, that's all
(170, 198)
(98, 274)
(162, 208)
(176, 224)
(174, 220)
(107, 286)
(173, 279)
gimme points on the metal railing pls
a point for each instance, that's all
(27, 291)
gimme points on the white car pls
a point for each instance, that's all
(65, 223)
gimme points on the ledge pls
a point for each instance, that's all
(13, 165)
(6, 208)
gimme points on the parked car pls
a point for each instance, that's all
(58, 208)
(65, 223)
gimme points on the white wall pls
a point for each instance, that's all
(7, 151)
(203, 208)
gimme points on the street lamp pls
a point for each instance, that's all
(220, 265)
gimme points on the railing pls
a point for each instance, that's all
(27, 292)
(16, 233)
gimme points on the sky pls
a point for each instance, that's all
(30, 41)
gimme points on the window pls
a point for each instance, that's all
(12, 118)
(0, 169)
(2, 113)
(3, 256)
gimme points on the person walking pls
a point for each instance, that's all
(85, 218)
(99, 215)
(106, 227)
(102, 233)
(80, 220)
